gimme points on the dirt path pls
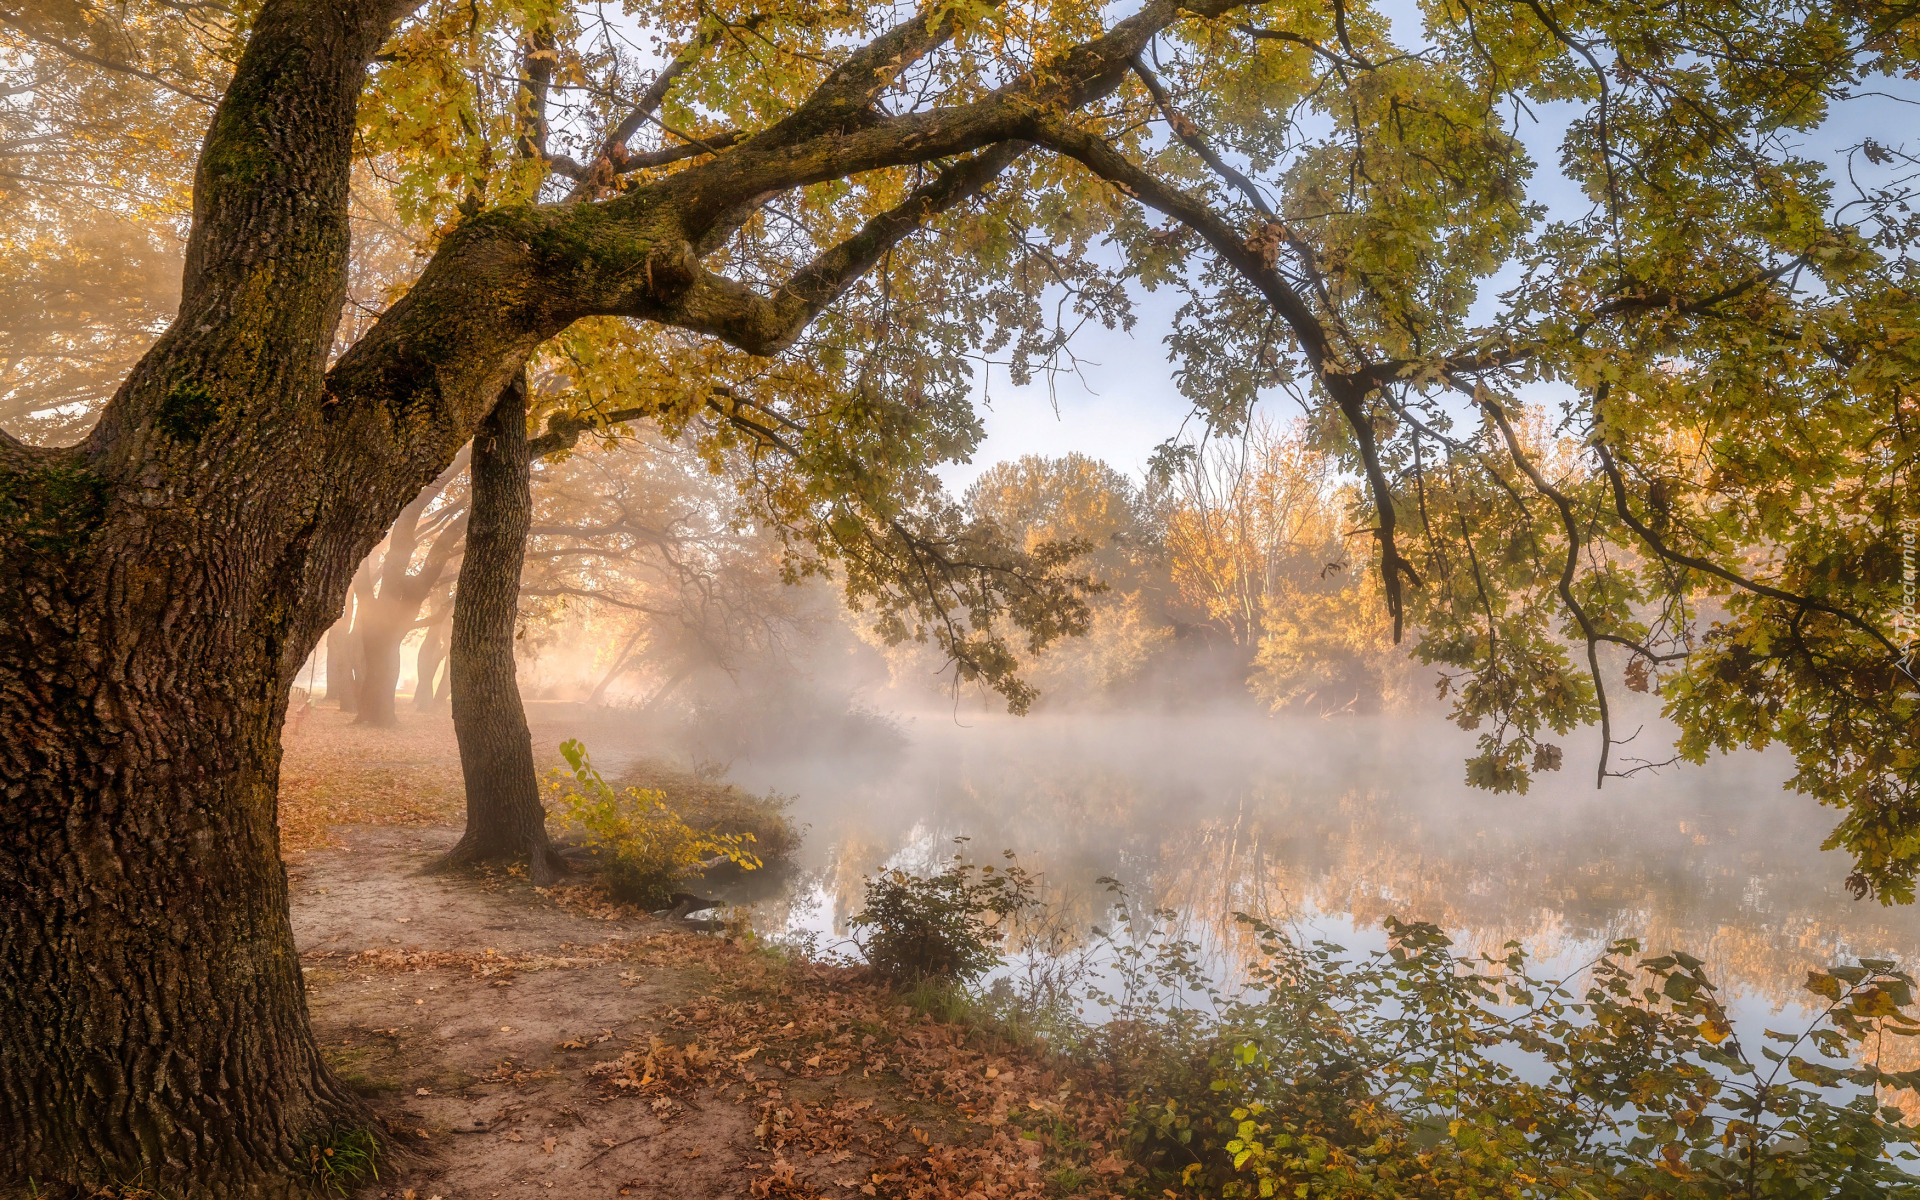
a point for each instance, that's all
(532, 1043)
(536, 1044)
(452, 1002)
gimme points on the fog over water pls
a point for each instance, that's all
(1333, 825)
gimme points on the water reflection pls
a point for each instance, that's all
(1337, 824)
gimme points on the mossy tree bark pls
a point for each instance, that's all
(505, 821)
(160, 585)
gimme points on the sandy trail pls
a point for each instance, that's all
(532, 1043)
(445, 1050)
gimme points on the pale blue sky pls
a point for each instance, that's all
(1120, 406)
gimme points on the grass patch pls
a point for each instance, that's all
(340, 1160)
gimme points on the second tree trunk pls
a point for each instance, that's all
(504, 817)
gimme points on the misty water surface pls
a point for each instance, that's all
(1335, 824)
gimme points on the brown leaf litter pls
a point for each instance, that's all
(552, 1044)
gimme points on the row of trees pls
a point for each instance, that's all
(1235, 569)
(790, 231)
(634, 549)
(1234, 572)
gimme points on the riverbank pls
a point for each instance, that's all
(535, 1043)
(526, 1042)
(520, 1041)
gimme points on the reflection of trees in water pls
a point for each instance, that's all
(1717, 864)
(1760, 909)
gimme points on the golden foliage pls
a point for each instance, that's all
(646, 848)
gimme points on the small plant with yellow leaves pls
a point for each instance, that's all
(646, 850)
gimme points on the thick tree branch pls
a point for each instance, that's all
(656, 93)
(845, 97)
(1190, 135)
(766, 325)
(673, 154)
(1564, 585)
(1298, 39)
(423, 377)
(834, 134)
(564, 429)
(1659, 546)
(1098, 156)
(1348, 388)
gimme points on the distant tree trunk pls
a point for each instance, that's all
(681, 674)
(386, 625)
(383, 618)
(504, 817)
(433, 652)
(343, 666)
(619, 666)
(346, 662)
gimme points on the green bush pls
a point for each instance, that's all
(1423, 1074)
(946, 927)
(645, 849)
(1418, 1072)
(1395, 1075)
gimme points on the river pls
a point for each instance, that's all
(1333, 825)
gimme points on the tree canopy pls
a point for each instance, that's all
(1707, 494)
(1659, 435)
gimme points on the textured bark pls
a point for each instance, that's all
(160, 586)
(505, 821)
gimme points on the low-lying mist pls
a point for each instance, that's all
(1236, 732)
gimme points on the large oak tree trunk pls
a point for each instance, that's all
(160, 586)
(504, 819)
(155, 1018)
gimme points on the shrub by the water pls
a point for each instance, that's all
(1398, 1074)
(645, 849)
(947, 927)
(1416, 1071)
(714, 807)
